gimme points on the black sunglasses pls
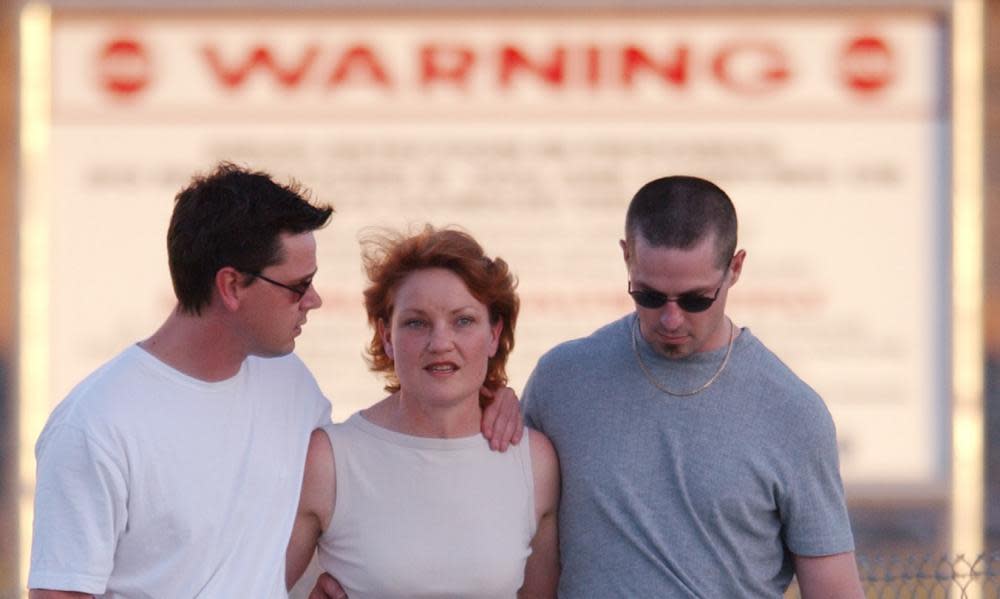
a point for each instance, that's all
(299, 289)
(689, 302)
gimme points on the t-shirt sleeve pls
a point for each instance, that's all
(813, 510)
(80, 511)
(319, 404)
(321, 409)
(315, 405)
(530, 402)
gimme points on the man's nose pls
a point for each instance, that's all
(311, 300)
(671, 316)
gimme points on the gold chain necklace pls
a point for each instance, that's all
(649, 375)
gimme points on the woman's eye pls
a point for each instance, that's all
(413, 323)
(464, 321)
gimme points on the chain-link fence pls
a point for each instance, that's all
(928, 577)
(931, 577)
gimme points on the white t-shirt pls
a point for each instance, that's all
(151, 483)
(425, 517)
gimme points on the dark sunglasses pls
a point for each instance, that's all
(299, 289)
(689, 302)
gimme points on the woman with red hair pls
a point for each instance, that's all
(405, 498)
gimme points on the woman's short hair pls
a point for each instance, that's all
(389, 257)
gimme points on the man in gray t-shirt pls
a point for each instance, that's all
(694, 462)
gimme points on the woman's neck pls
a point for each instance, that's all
(410, 415)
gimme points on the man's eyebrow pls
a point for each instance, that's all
(308, 277)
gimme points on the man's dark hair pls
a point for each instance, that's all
(232, 217)
(678, 212)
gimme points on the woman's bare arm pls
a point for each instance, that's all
(319, 493)
(541, 574)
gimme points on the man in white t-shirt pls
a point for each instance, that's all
(174, 469)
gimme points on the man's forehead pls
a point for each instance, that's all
(705, 247)
(297, 250)
(674, 269)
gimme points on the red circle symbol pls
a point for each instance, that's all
(124, 67)
(866, 64)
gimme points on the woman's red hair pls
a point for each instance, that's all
(390, 257)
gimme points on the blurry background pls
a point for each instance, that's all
(829, 123)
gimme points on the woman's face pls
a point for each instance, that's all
(439, 337)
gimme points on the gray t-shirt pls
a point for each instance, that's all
(700, 496)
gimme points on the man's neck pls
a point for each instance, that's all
(201, 347)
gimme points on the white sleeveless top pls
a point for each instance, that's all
(427, 517)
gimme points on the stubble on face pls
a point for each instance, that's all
(282, 318)
(672, 351)
(672, 332)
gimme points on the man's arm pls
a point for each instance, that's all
(502, 424)
(47, 594)
(828, 576)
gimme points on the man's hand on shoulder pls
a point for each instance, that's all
(502, 423)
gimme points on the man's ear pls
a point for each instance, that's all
(229, 286)
(383, 333)
(624, 246)
(736, 266)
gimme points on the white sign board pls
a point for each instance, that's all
(532, 132)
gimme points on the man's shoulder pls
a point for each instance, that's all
(286, 384)
(591, 348)
(577, 363)
(92, 408)
(108, 382)
(287, 372)
(778, 385)
(769, 368)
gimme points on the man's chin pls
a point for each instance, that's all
(674, 351)
(275, 352)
